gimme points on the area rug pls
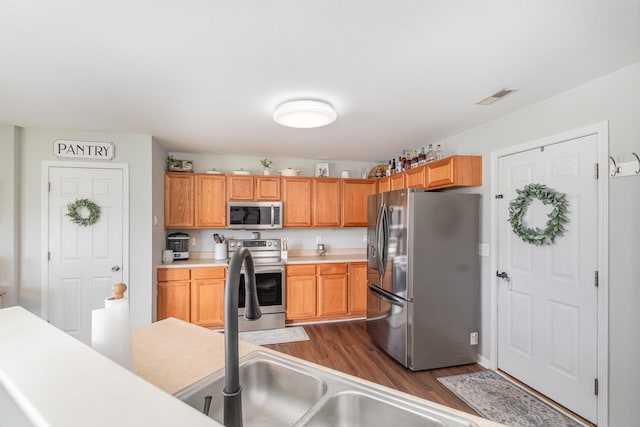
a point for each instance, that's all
(498, 399)
(275, 336)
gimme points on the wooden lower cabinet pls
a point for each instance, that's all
(207, 296)
(301, 292)
(194, 295)
(328, 291)
(174, 287)
(358, 288)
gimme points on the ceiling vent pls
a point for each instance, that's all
(495, 97)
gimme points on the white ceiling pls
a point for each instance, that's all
(206, 75)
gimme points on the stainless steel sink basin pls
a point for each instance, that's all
(274, 393)
(352, 408)
(279, 391)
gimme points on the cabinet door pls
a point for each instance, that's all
(416, 177)
(240, 187)
(173, 300)
(355, 193)
(211, 203)
(301, 297)
(384, 184)
(397, 181)
(207, 302)
(296, 202)
(333, 295)
(454, 171)
(326, 202)
(179, 193)
(358, 288)
(267, 188)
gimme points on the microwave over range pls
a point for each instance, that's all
(254, 215)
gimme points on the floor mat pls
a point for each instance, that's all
(498, 399)
(275, 336)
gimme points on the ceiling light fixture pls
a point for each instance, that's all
(304, 114)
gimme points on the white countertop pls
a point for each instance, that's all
(55, 380)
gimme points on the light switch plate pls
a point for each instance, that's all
(483, 249)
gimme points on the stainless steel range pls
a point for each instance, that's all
(270, 281)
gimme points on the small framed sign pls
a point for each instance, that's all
(322, 170)
(83, 149)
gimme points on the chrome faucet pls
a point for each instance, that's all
(232, 391)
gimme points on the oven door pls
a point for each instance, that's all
(270, 289)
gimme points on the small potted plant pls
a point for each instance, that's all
(173, 164)
(266, 163)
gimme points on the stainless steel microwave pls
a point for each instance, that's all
(254, 215)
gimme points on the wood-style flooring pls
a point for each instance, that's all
(346, 347)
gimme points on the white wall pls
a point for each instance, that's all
(136, 150)
(614, 98)
(227, 164)
(333, 238)
(9, 214)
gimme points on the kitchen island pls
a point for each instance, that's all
(51, 379)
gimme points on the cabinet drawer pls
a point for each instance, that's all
(207, 273)
(301, 270)
(332, 269)
(167, 274)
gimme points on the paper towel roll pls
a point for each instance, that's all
(111, 331)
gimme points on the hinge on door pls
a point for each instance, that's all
(48, 256)
(499, 196)
(596, 171)
(597, 279)
(595, 386)
(49, 186)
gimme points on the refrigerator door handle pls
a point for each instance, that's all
(386, 298)
(379, 238)
(385, 240)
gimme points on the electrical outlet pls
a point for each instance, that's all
(483, 249)
(192, 241)
(473, 338)
(364, 238)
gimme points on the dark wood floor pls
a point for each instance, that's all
(346, 347)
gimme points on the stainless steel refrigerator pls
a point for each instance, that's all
(423, 277)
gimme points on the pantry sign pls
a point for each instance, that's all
(83, 149)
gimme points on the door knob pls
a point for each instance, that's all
(503, 275)
(115, 268)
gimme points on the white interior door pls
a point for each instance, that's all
(84, 262)
(547, 309)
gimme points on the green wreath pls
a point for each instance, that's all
(557, 218)
(74, 208)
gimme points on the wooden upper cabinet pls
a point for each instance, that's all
(454, 171)
(326, 202)
(267, 188)
(416, 177)
(398, 181)
(355, 194)
(384, 184)
(211, 202)
(179, 193)
(240, 187)
(296, 201)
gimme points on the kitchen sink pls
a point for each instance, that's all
(352, 408)
(274, 393)
(279, 391)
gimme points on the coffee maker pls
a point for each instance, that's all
(179, 244)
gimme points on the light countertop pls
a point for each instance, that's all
(205, 259)
(56, 380)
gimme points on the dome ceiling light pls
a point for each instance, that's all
(304, 114)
